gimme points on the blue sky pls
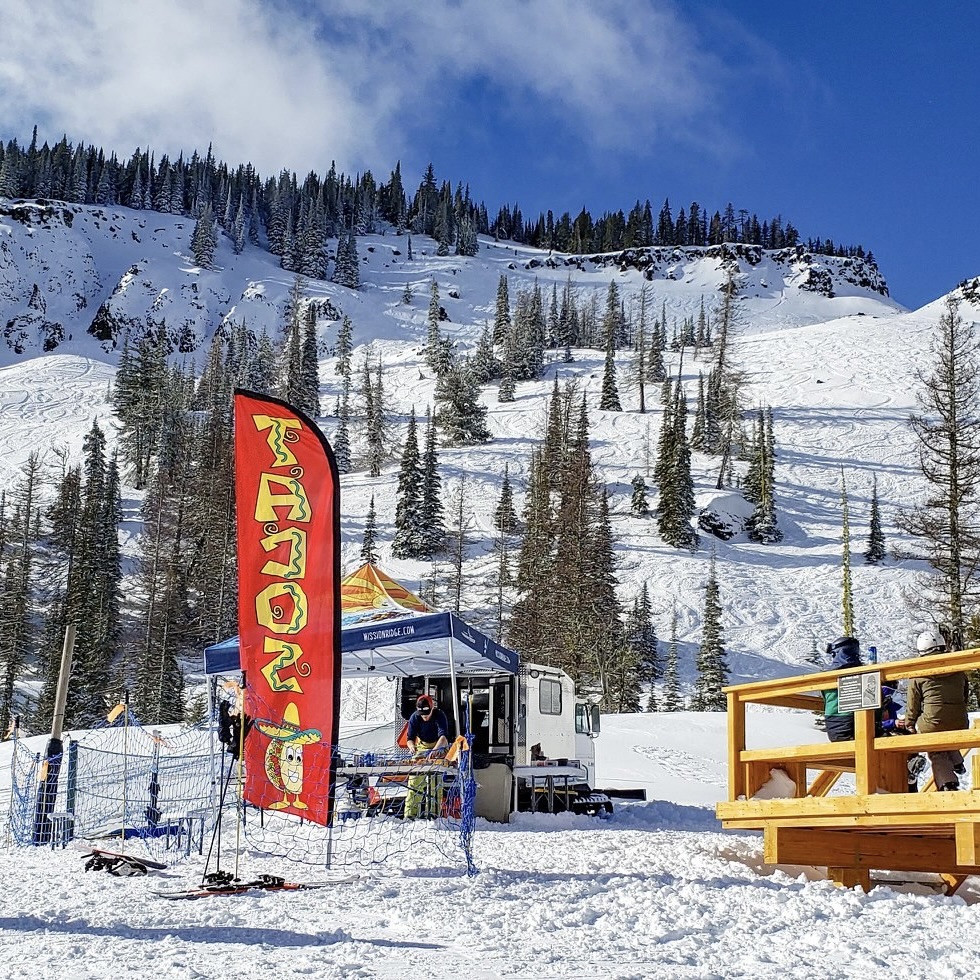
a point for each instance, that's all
(855, 120)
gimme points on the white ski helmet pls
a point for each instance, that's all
(930, 640)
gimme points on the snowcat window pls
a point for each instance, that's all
(581, 719)
(549, 697)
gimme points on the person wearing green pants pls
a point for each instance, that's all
(428, 733)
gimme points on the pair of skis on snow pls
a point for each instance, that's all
(222, 883)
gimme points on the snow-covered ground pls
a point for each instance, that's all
(657, 891)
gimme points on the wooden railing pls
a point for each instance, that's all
(880, 825)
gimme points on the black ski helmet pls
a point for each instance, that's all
(845, 651)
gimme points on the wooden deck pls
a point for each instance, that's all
(880, 826)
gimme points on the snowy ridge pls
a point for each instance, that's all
(837, 371)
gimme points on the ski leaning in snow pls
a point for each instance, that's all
(266, 883)
(120, 865)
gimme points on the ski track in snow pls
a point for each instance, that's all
(840, 388)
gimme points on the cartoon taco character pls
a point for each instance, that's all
(284, 756)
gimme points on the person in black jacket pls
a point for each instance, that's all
(428, 735)
(844, 652)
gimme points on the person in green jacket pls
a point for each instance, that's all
(938, 704)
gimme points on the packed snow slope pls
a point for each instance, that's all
(658, 891)
(821, 342)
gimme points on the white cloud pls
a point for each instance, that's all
(298, 84)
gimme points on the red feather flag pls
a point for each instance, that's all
(287, 495)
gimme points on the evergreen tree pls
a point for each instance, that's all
(876, 536)
(375, 420)
(712, 664)
(762, 525)
(501, 318)
(670, 698)
(642, 637)
(508, 372)
(369, 544)
(459, 414)
(345, 347)
(504, 517)
(639, 507)
(483, 365)
(947, 429)
(91, 597)
(458, 542)
(409, 539)
(676, 506)
(292, 380)
(609, 399)
(341, 440)
(204, 240)
(309, 367)
(533, 613)
(432, 511)
(17, 572)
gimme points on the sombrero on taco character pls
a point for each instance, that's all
(284, 756)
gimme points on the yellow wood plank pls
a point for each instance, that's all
(879, 851)
(867, 773)
(736, 745)
(823, 784)
(963, 739)
(953, 882)
(968, 843)
(950, 662)
(939, 807)
(814, 751)
(850, 878)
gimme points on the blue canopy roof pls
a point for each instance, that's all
(412, 645)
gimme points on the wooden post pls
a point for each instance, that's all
(736, 743)
(866, 774)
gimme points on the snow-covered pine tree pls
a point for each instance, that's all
(609, 398)
(639, 506)
(676, 507)
(433, 521)
(508, 372)
(341, 439)
(17, 574)
(712, 664)
(345, 347)
(369, 543)
(530, 327)
(409, 538)
(459, 413)
(762, 525)
(309, 367)
(204, 239)
(876, 536)
(640, 633)
(484, 364)
(670, 697)
(504, 517)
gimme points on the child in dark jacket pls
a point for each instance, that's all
(844, 652)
